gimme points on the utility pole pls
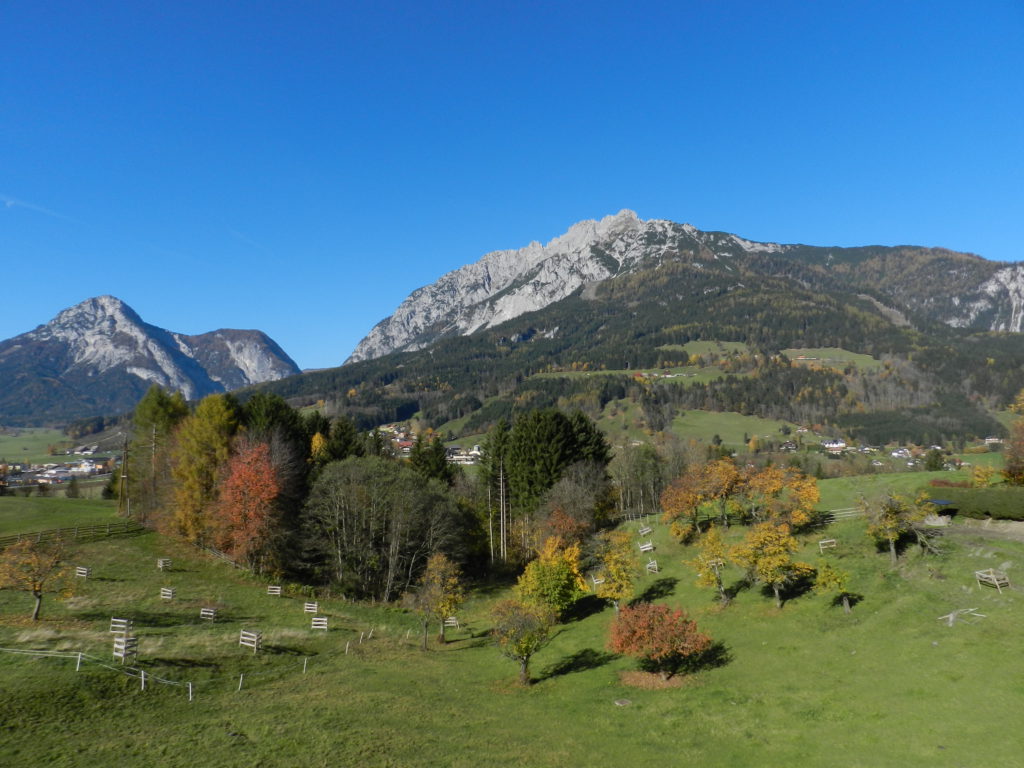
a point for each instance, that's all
(124, 503)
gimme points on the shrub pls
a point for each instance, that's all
(662, 638)
(1000, 503)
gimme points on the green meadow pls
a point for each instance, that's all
(31, 445)
(889, 684)
(832, 357)
(21, 515)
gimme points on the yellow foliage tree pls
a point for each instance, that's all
(766, 554)
(891, 518)
(710, 562)
(619, 569)
(439, 594)
(202, 446)
(36, 568)
(318, 449)
(553, 579)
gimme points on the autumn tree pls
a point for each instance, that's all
(553, 579)
(1013, 471)
(702, 490)
(154, 420)
(520, 630)
(245, 516)
(36, 568)
(578, 503)
(832, 581)
(662, 639)
(618, 569)
(766, 554)
(780, 495)
(710, 562)
(889, 519)
(439, 594)
(202, 446)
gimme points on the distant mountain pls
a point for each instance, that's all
(957, 289)
(99, 357)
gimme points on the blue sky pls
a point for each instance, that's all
(301, 167)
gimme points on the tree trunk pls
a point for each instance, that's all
(424, 625)
(440, 634)
(39, 604)
(722, 593)
(524, 670)
(892, 551)
(616, 604)
(846, 602)
(778, 597)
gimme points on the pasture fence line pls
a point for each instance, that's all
(75, 532)
(144, 676)
(845, 513)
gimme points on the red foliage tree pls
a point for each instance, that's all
(245, 512)
(662, 638)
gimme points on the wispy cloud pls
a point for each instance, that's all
(13, 202)
(242, 238)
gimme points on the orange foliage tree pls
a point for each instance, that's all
(701, 488)
(662, 638)
(245, 518)
(780, 495)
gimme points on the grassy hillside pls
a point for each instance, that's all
(31, 445)
(21, 515)
(806, 685)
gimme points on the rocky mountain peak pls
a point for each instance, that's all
(99, 356)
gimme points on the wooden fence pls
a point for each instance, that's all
(79, 532)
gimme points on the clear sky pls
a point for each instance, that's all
(301, 167)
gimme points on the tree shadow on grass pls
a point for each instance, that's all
(852, 597)
(661, 588)
(140, 618)
(717, 655)
(581, 661)
(161, 661)
(283, 650)
(586, 606)
(793, 589)
(736, 587)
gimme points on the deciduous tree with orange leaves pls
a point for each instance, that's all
(780, 495)
(662, 638)
(245, 516)
(703, 489)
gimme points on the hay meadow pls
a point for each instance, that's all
(889, 684)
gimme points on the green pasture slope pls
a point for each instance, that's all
(21, 515)
(888, 685)
(31, 445)
(832, 357)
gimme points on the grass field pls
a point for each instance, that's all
(687, 374)
(708, 348)
(731, 427)
(31, 445)
(807, 685)
(21, 515)
(832, 357)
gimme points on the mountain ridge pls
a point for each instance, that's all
(100, 356)
(502, 285)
